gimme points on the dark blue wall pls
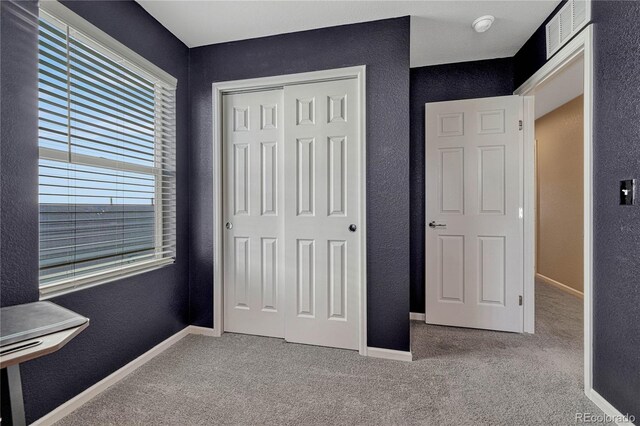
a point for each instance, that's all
(616, 344)
(19, 136)
(616, 156)
(18, 160)
(466, 80)
(382, 46)
(128, 316)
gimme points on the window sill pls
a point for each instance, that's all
(70, 285)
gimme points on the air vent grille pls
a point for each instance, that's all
(566, 23)
(553, 36)
(566, 27)
(579, 14)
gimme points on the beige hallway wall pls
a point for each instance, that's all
(559, 136)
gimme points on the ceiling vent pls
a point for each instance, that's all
(573, 16)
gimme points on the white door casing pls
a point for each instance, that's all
(253, 207)
(322, 200)
(474, 188)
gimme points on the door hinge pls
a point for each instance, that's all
(520, 300)
(520, 124)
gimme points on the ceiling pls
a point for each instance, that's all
(440, 30)
(568, 84)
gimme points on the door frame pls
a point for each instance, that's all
(581, 45)
(279, 82)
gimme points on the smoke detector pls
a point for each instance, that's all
(483, 23)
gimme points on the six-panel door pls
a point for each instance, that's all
(474, 249)
(254, 213)
(322, 200)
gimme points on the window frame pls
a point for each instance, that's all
(60, 16)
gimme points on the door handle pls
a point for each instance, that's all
(352, 227)
(229, 225)
(433, 224)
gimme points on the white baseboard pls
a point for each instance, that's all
(113, 378)
(417, 316)
(609, 410)
(205, 331)
(560, 286)
(389, 354)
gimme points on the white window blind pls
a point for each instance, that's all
(107, 184)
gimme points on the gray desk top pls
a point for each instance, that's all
(35, 329)
(37, 347)
(21, 323)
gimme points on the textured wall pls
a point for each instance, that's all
(18, 178)
(19, 134)
(128, 316)
(616, 156)
(559, 222)
(382, 46)
(466, 80)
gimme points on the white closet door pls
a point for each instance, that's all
(253, 209)
(322, 202)
(474, 240)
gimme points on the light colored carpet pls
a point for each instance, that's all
(459, 376)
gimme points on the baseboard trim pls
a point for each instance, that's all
(609, 410)
(389, 354)
(417, 316)
(204, 331)
(88, 394)
(559, 285)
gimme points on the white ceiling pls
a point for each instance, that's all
(440, 30)
(560, 89)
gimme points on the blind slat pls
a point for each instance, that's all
(81, 248)
(87, 270)
(92, 54)
(78, 123)
(87, 221)
(101, 93)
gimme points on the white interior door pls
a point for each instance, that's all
(253, 208)
(322, 202)
(474, 237)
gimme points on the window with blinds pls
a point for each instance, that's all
(107, 185)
